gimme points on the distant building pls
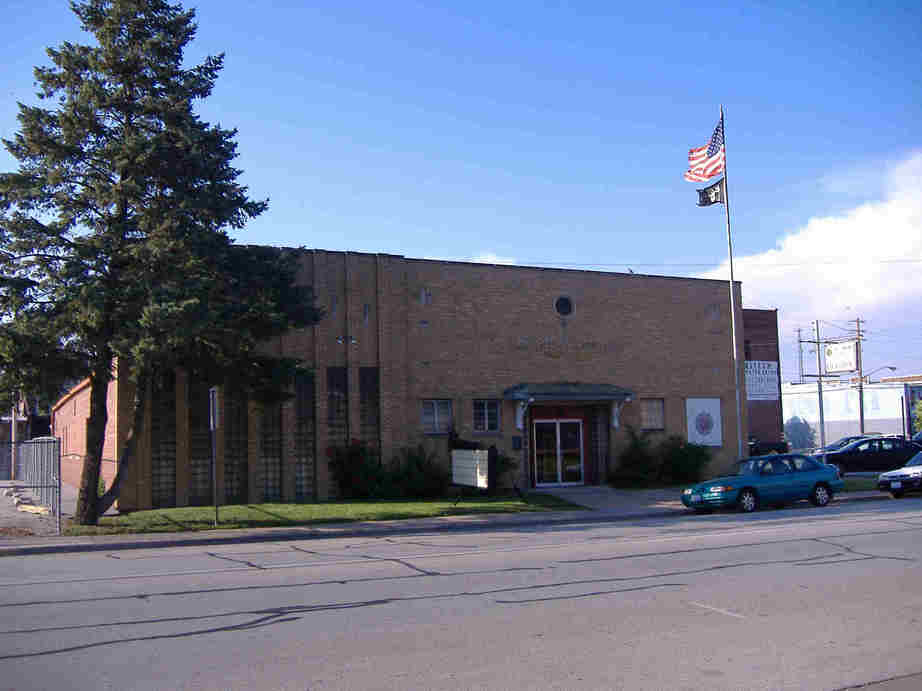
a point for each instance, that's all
(887, 406)
(549, 365)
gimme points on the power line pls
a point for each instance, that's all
(834, 325)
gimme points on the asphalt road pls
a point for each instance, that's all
(799, 599)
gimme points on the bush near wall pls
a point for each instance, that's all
(412, 474)
(357, 470)
(673, 461)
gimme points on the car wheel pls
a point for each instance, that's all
(820, 495)
(748, 501)
(897, 493)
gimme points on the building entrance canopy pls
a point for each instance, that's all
(567, 391)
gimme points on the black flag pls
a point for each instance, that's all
(712, 194)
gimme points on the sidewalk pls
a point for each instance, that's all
(611, 506)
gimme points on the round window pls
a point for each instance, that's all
(564, 305)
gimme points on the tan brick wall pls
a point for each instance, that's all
(468, 331)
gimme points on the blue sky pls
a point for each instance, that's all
(557, 134)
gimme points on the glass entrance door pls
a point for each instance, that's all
(558, 446)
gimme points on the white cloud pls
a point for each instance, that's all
(866, 262)
(491, 258)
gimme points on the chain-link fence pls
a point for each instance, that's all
(35, 465)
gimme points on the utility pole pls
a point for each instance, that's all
(14, 437)
(819, 385)
(860, 380)
(800, 356)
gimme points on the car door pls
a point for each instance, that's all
(774, 481)
(788, 480)
(858, 456)
(806, 473)
(888, 455)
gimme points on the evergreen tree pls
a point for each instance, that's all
(799, 434)
(113, 231)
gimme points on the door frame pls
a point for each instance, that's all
(582, 455)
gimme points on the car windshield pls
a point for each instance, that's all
(745, 468)
(839, 443)
(915, 460)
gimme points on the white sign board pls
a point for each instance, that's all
(841, 357)
(703, 417)
(469, 467)
(762, 383)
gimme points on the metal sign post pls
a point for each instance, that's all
(213, 425)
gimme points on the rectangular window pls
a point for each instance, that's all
(337, 405)
(436, 416)
(369, 406)
(305, 436)
(652, 415)
(486, 415)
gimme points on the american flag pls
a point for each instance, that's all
(707, 161)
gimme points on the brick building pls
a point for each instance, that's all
(68, 423)
(763, 375)
(548, 365)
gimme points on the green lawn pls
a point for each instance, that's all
(194, 518)
(859, 484)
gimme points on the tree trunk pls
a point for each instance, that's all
(87, 512)
(128, 452)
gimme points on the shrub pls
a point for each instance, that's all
(673, 462)
(500, 466)
(357, 470)
(681, 462)
(359, 473)
(418, 474)
(637, 464)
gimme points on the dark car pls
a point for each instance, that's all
(839, 443)
(872, 454)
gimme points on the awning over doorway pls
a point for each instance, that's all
(567, 391)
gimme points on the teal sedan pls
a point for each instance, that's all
(773, 480)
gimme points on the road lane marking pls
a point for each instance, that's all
(717, 609)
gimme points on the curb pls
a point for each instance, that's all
(315, 533)
(109, 543)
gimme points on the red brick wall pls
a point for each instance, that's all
(761, 343)
(68, 423)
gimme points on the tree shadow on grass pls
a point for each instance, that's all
(281, 520)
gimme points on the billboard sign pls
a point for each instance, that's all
(762, 382)
(841, 357)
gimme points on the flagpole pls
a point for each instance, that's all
(733, 348)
